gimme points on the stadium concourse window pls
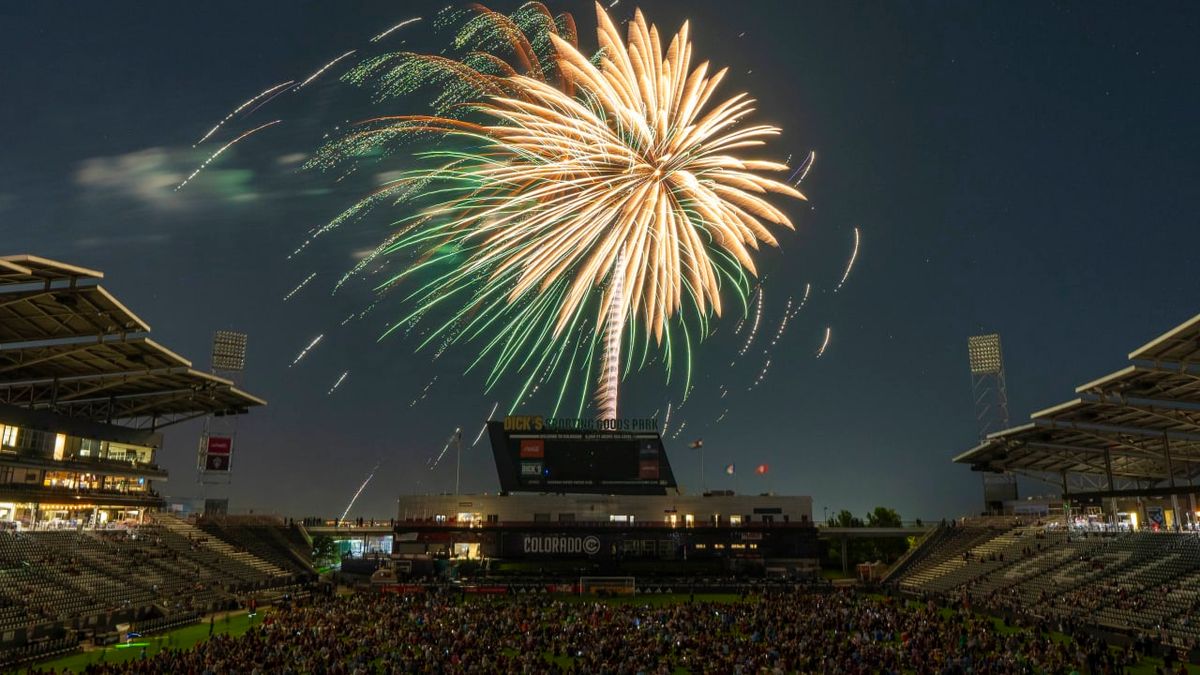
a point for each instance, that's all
(620, 519)
(689, 520)
(566, 517)
(439, 518)
(541, 517)
(735, 520)
(8, 437)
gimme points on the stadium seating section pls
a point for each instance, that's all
(1144, 582)
(58, 585)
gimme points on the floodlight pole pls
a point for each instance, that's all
(457, 458)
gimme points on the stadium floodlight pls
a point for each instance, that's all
(229, 351)
(984, 354)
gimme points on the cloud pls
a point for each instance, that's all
(122, 240)
(149, 177)
(291, 158)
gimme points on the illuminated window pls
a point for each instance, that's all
(60, 442)
(701, 547)
(9, 439)
(735, 520)
(689, 520)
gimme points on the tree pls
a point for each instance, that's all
(844, 518)
(882, 516)
(325, 551)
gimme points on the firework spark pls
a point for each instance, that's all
(304, 352)
(387, 32)
(758, 309)
(337, 384)
(359, 492)
(297, 288)
(484, 427)
(223, 148)
(803, 169)
(825, 342)
(322, 69)
(850, 263)
(424, 393)
(594, 197)
(239, 109)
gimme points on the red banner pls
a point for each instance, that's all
(219, 445)
(533, 448)
(648, 469)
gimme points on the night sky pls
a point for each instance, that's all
(1028, 168)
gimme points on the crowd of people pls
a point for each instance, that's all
(782, 632)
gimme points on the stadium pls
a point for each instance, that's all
(533, 337)
(583, 512)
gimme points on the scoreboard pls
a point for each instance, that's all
(570, 459)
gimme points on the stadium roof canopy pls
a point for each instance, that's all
(1133, 431)
(68, 346)
(29, 269)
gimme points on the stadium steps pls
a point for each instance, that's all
(217, 545)
(956, 541)
(914, 555)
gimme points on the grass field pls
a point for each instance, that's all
(187, 636)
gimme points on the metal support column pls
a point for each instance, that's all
(1170, 465)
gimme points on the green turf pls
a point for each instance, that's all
(179, 638)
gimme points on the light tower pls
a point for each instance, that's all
(991, 410)
(214, 461)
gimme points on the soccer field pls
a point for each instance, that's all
(179, 638)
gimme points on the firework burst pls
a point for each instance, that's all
(580, 210)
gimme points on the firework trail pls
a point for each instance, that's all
(850, 263)
(424, 393)
(359, 492)
(337, 384)
(223, 149)
(348, 319)
(297, 289)
(678, 431)
(667, 420)
(267, 100)
(758, 308)
(322, 69)
(803, 169)
(804, 300)
(387, 32)
(546, 174)
(825, 342)
(437, 460)
(239, 109)
(484, 427)
(309, 348)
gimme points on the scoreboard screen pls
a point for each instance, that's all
(580, 461)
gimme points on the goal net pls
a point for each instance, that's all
(606, 586)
